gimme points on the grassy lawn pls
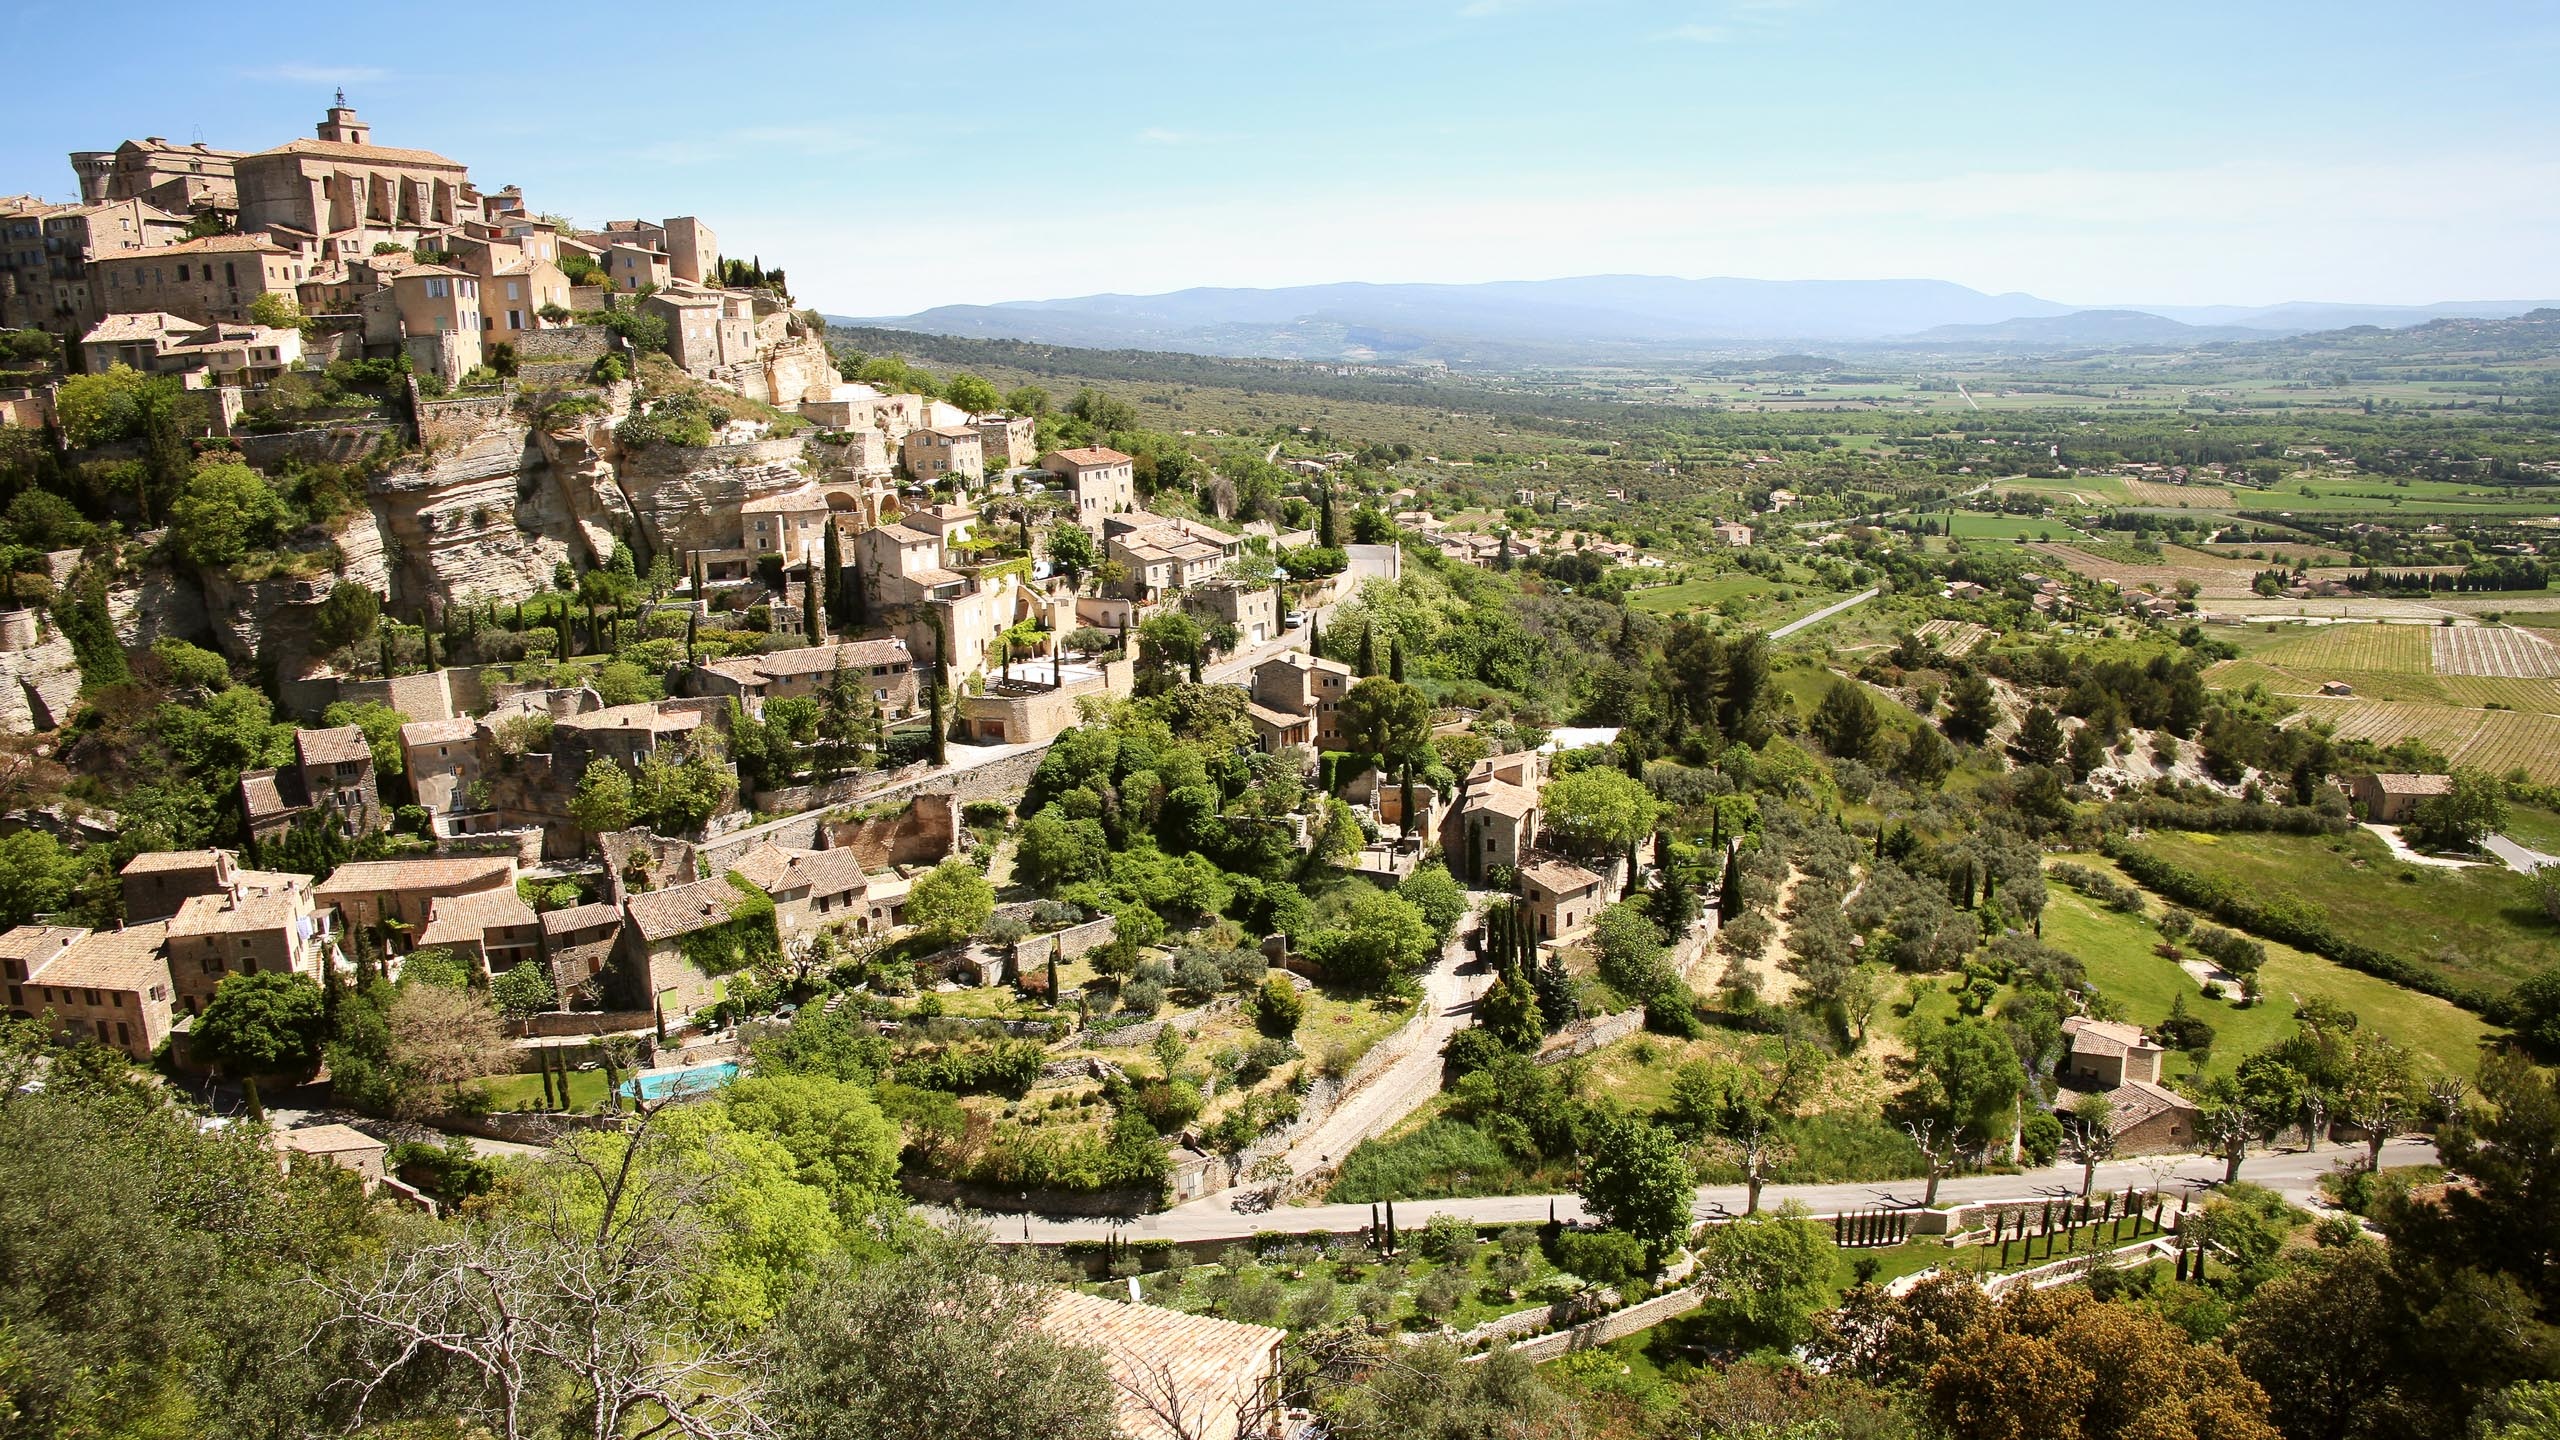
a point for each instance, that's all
(2480, 925)
(2533, 828)
(2116, 949)
(1695, 594)
(1972, 525)
(524, 1092)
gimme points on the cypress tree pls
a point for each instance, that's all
(1368, 665)
(1395, 659)
(1315, 636)
(430, 636)
(940, 755)
(1729, 894)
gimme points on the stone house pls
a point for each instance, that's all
(791, 523)
(1733, 534)
(110, 986)
(213, 279)
(627, 734)
(2150, 1119)
(650, 969)
(2394, 799)
(333, 772)
(1038, 701)
(1252, 611)
(632, 265)
(341, 1145)
(811, 889)
(440, 319)
(1562, 897)
(884, 668)
(1101, 482)
(1307, 686)
(157, 882)
(904, 566)
(1166, 555)
(496, 930)
(157, 343)
(514, 289)
(1497, 816)
(180, 179)
(2103, 1054)
(1007, 441)
(579, 942)
(944, 450)
(394, 895)
(442, 760)
(266, 922)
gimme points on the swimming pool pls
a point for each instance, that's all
(699, 1080)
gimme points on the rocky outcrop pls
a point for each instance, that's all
(157, 603)
(584, 489)
(688, 499)
(476, 519)
(267, 620)
(39, 686)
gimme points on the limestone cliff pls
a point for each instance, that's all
(267, 620)
(687, 499)
(39, 685)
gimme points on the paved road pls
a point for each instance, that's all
(1825, 613)
(2515, 856)
(2292, 1173)
(1449, 995)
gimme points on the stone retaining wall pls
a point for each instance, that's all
(1586, 1035)
(570, 342)
(340, 444)
(1616, 1325)
(1065, 945)
(444, 421)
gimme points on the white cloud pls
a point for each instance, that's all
(1699, 34)
(811, 141)
(1158, 135)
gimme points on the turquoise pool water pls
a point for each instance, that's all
(695, 1081)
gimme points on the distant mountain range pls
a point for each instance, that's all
(1595, 316)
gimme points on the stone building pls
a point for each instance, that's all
(1006, 442)
(1305, 686)
(442, 761)
(2103, 1054)
(811, 889)
(332, 771)
(440, 319)
(2394, 799)
(1252, 611)
(579, 942)
(650, 969)
(110, 986)
(791, 523)
(944, 451)
(394, 895)
(180, 179)
(885, 669)
(1165, 555)
(213, 279)
(1217, 1379)
(1496, 822)
(267, 922)
(1563, 897)
(1101, 482)
(48, 251)
(157, 882)
(228, 353)
(494, 930)
(344, 193)
(1038, 701)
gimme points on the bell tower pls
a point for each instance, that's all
(343, 127)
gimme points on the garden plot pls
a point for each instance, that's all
(2495, 651)
(1953, 637)
(2214, 577)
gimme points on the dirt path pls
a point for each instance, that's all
(1778, 985)
(1449, 995)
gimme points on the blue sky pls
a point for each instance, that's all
(900, 157)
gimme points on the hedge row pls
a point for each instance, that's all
(2281, 917)
(2154, 813)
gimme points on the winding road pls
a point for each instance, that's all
(2292, 1173)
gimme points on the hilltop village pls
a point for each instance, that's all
(481, 692)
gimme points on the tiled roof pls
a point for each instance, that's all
(1276, 719)
(166, 860)
(1502, 798)
(344, 745)
(379, 154)
(1557, 877)
(775, 870)
(798, 497)
(1301, 660)
(263, 797)
(858, 655)
(371, 877)
(681, 909)
(460, 919)
(220, 915)
(2138, 1100)
(579, 917)
(32, 945)
(140, 325)
(212, 245)
(439, 732)
(127, 959)
(327, 1140)
(2415, 784)
(1209, 1365)
(1088, 456)
(2101, 1037)
(899, 534)
(642, 715)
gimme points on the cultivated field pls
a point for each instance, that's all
(2495, 650)
(2493, 740)
(2214, 576)
(2400, 649)
(1953, 637)
(2198, 497)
